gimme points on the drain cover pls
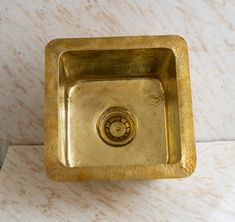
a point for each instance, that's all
(116, 126)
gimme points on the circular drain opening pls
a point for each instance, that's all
(116, 126)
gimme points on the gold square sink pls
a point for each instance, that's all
(118, 108)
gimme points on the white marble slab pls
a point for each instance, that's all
(26, 194)
(26, 26)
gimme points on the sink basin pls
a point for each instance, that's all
(118, 108)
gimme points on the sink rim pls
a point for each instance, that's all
(56, 170)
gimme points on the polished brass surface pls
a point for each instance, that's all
(118, 108)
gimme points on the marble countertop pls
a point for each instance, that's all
(27, 194)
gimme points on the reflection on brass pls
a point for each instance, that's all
(116, 126)
(118, 108)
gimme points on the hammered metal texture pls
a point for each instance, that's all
(118, 108)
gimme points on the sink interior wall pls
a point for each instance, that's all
(112, 63)
(122, 64)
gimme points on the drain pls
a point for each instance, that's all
(116, 126)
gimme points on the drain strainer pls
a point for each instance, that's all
(116, 126)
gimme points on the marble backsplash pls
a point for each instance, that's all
(27, 26)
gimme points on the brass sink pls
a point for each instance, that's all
(118, 108)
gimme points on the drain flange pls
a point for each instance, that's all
(116, 126)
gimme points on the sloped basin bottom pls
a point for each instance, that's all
(87, 101)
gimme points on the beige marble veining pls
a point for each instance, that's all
(26, 26)
(26, 194)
